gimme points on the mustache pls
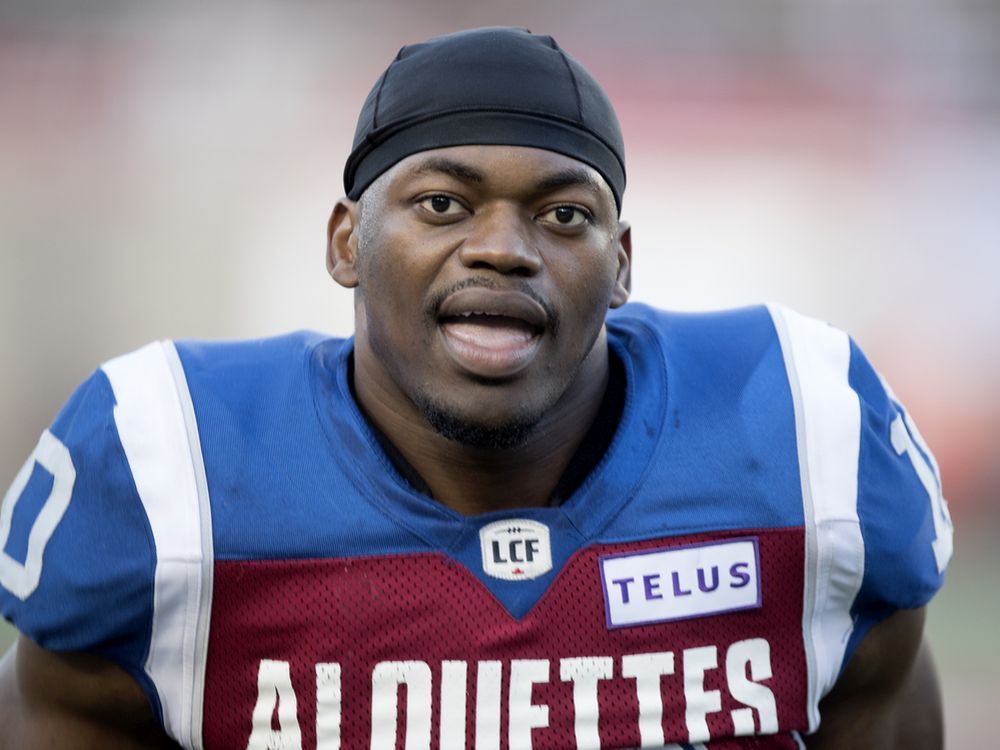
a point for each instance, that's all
(485, 282)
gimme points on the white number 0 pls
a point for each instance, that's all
(927, 471)
(54, 457)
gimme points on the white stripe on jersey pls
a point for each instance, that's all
(828, 433)
(155, 421)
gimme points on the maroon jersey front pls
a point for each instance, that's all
(412, 651)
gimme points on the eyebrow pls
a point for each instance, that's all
(554, 181)
(450, 167)
(569, 178)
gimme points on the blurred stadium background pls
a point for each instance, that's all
(167, 170)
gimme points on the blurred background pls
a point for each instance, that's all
(166, 170)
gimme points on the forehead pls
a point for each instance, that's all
(500, 167)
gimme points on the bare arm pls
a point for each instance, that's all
(50, 700)
(888, 697)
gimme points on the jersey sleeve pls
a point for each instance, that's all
(878, 535)
(76, 554)
(905, 524)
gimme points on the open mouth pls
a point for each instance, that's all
(490, 330)
(491, 333)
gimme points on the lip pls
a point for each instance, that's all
(491, 333)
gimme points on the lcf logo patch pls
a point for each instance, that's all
(516, 549)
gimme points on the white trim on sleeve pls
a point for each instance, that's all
(155, 421)
(828, 435)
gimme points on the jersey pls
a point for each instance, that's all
(222, 521)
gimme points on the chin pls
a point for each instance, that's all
(498, 434)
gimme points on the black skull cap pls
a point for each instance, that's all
(487, 86)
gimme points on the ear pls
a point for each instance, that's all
(342, 243)
(623, 283)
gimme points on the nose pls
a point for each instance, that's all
(500, 239)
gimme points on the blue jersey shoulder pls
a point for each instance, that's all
(292, 467)
(729, 456)
(77, 559)
(904, 517)
(725, 456)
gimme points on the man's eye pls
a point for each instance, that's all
(566, 216)
(442, 204)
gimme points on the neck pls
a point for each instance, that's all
(473, 480)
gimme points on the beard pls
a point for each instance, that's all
(512, 433)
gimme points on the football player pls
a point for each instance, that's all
(513, 511)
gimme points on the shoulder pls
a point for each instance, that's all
(846, 409)
(712, 349)
(273, 351)
(637, 319)
(253, 373)
(870, 484)
(90, 520)
(76, 551)
(73, 536)
(871, 488)
(709, 359)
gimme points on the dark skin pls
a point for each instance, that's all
(494, 227)
(80, 701)
(404, 251)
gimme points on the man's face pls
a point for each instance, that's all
(483, 277)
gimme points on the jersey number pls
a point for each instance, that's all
(22, 579)
(927, 471)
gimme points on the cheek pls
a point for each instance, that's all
(392, 289)
(589, 282)
(381, 276)
(589, 296)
